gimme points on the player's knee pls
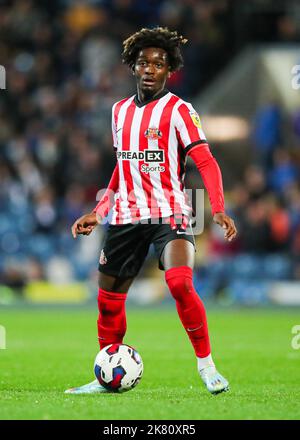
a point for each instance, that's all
(180, 287)
(180, 281)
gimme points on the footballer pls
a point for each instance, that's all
(154, 131)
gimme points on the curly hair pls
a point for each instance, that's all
(160, 37)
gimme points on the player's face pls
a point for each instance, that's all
(151, 70)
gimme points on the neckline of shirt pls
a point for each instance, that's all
(155, 98)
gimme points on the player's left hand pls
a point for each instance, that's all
(226, 223)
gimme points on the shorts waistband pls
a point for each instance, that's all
(179, 218)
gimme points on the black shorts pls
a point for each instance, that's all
(125, 247)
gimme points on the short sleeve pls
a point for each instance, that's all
(188, 127)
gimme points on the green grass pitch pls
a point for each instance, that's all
(51, 350)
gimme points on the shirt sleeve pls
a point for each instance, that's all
(188, 127)
(107, 200)
(211, 176)
(114, 128)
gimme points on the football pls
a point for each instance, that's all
(118, 367)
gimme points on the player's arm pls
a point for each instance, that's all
(212, 179)
(87, 223)
(107, 200)
(193, 140)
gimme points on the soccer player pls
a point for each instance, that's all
(153, 133)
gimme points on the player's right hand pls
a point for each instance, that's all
(84, 225)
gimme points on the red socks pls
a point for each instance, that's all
(190, 308)
(112, 317)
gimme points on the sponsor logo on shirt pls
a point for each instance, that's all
(147, 156)
(196, 119)
(152, 159)
(153, 133)
(150, 169)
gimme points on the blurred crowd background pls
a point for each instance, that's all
(64, 72)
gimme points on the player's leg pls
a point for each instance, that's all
(121, 257)
(112, 283)
(124, 250)
(112, 296)
(178, 261)
(111, 321)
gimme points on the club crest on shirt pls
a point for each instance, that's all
(196, 119)
(153, 133)
(102, 259)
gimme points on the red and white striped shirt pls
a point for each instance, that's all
(151, 141)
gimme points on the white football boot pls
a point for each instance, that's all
(214, 381)
(90, 388)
